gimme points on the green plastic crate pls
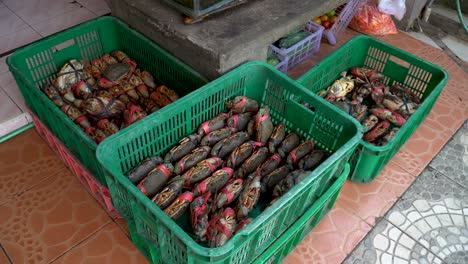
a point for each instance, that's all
(425, 79)
(331, 129)
(38, 63)
(281, 248)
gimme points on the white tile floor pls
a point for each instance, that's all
(23, 22)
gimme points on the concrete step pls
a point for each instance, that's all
(447, 20)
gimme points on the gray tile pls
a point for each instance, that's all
(63, 21)
(17, 39)
(3, 65)
(98, 7)
(434, 212)
(452, 160)
(388, 244)
(9, 22)
(8, 84)
(36, 11)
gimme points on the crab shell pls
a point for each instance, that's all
(173, 189)
(190, 160)
(141, 170)
(179, 206)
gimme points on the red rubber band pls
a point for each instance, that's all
(182, 165)
(226, 231)
(377, 112)
(235, 119)
(106, 83)
(276, 158)
(167, 173)
(141, 87)
(205, 128)
(228, 195)
(294, 157)
(100, 123)
(189, 175)
(142, 189)
(132, 65)
(259, 144)
(312, 144)
(80, 119)
(201, 188)
(400, 120)
(211, 166)
(241, 103)
(263, 118)
(186, 197)
(75, 87)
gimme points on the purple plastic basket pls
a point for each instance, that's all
(304, 48)
(345, 14)
(284, 60)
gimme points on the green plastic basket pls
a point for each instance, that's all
(281, 248)
(425, 79)
(331, 129)
(38, 63)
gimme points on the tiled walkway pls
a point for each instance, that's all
(429, 224)
(46, 216)
(23, 22)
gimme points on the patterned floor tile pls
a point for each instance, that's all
(373, 200)
(434, 211)
(420, 149)
(122, 223)
(44, 222)
(452, 161)
(25, 161)
(386, 244)
(108, 245)
(457, 82)
(3, 257)
(448, 114)
(332, 239)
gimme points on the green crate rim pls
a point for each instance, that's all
(178, 231)
(432, 97)
(87, 139)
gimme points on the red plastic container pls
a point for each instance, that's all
(96, 189)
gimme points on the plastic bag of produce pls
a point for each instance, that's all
(369, 20)
(397, 8)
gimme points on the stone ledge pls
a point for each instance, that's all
(223, 41)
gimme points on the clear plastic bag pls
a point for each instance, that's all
(397, 8)
(369, 20)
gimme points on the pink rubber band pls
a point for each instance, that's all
(182, 165)
(400, 120)
(167, 173)
(263, 118)
(241, 103)
(294, 157)
(276, 158)
(79, 119)
(186, 197)
(235, 118)
(312, 144)
(142, 189)
(205, 128)
(201, 188)
(228, 195)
